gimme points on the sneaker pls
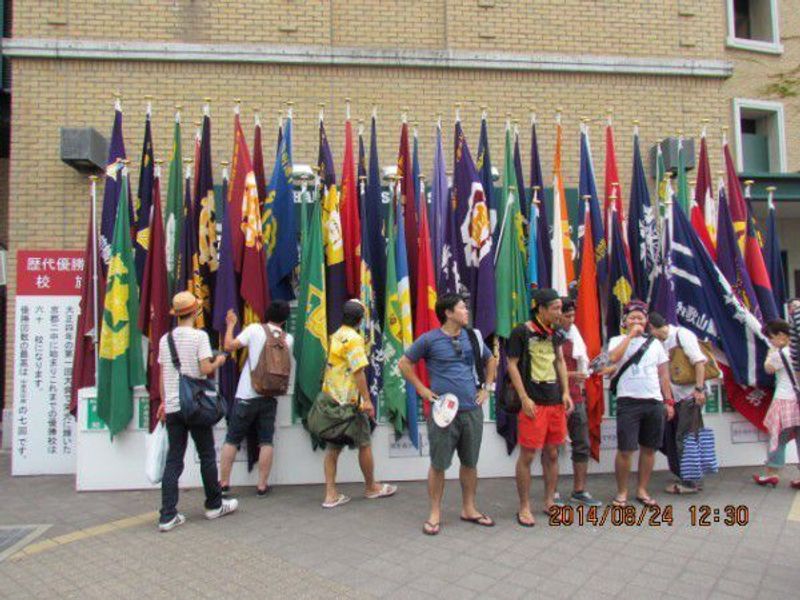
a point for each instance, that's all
(228, 506)
(178, 519)
(584, 498)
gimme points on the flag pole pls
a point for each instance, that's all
(95, 283)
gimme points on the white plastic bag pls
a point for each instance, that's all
(156, 459)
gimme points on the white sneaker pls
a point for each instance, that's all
(178, 519)
(228, 506)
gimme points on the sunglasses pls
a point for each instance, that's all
(457, 346)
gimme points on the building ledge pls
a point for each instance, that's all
(787, 185)
(76, 49)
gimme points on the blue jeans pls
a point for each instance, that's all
(178, 434)
(777, 459)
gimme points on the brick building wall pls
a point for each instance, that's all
(48, 204)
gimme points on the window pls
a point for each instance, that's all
(760, 136)
(753, 25)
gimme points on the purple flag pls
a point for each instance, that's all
(440, 196)
(116, 152)
(472, 219)
(544, 253)
(664, 300)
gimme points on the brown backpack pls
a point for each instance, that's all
(271, 375)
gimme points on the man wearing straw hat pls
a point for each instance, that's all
(193, 350)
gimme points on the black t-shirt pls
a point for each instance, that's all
(535, 346)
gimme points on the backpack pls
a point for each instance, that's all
(271, 374)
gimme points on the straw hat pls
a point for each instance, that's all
(184, 304)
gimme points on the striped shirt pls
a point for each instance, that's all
(193, 346)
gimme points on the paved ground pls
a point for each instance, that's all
(105, 545)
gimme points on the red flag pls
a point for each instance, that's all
(703, 200)
(258, 164)
(351, 222)
(154, 317)
(244, 195)
(408, 199)
(426, 318)
(588, 322)
(613, 188)
(84, 366)
(750, 402)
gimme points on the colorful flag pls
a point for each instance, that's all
(664, 192)
(697, 204)
(589, 322)
(620, 285)
(335, 284)
(419, 186)
(84, 366)
(704, 192)
(544, 251)
(472, 217)
(511, 285)
(587, 188)
(532, 258)
(683, 182)
(440, 202)
(563, 270)
(395, 401)
(279, 228)
(116, 154)
(664, 298)
(187, 277)
(226, 298)
(258, 162)
(409, 203)
(244, 192)
(311, 329)
(613, 191)
(205, 224)
(351, 220)
(772, 256)
(642, 229)
(154, 302)
(121, 367)
(520, 180)
(174, 216)
(484, 166)
(144, 200)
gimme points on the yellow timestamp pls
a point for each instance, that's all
(703, 515)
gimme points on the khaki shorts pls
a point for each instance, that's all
(361, 433)
(463, 435)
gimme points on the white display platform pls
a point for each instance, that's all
(103, 464)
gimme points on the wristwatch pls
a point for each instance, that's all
(699, 388)
(489, 387)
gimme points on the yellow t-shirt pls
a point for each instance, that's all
(346, 356)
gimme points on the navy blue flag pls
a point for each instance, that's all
(226, 297)
(772, 256)
(450, 279)
(335, 285)
(730, 260)
(664, 300)
(642, 231)
(472, 218)
(484, 166)
(620, 284)
(588, 187)
(144, 201)
(116, 154)
(185, 279)
(707, 305)
(280, 235)
(440, 204)
(204, 227)
(373, 220)
(544, 252)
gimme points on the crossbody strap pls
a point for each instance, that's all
(173, 352)
(634, 359)
(790, 371)
(477, 354)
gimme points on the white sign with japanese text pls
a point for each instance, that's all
(44, 346)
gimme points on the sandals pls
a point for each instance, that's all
(387, 489)
(523, 523)
(679, 489)
(621, 502)
(340, 500)
(646, 501)
(483, 520)
(429, 528)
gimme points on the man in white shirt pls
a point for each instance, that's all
(689, 398)
(643, 394)
(250, 407)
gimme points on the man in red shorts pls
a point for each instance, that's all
(539, 375)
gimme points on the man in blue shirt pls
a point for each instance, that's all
(449, 354)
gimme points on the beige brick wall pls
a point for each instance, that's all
(4, 197)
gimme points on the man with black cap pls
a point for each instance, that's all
(346, 382)
(539, 375)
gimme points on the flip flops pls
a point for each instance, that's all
(387, 489)
(429, 528)
(340, 500)
(483, 520)
(523, 523)
(646, 501)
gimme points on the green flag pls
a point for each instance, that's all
(683, 183)
(121, 362)
(394, 386)
(510, 281)
(174, 217)
(311, 331)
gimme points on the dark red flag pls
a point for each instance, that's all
(408, 199)
(351, 222)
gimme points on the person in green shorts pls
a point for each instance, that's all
(450, 357)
